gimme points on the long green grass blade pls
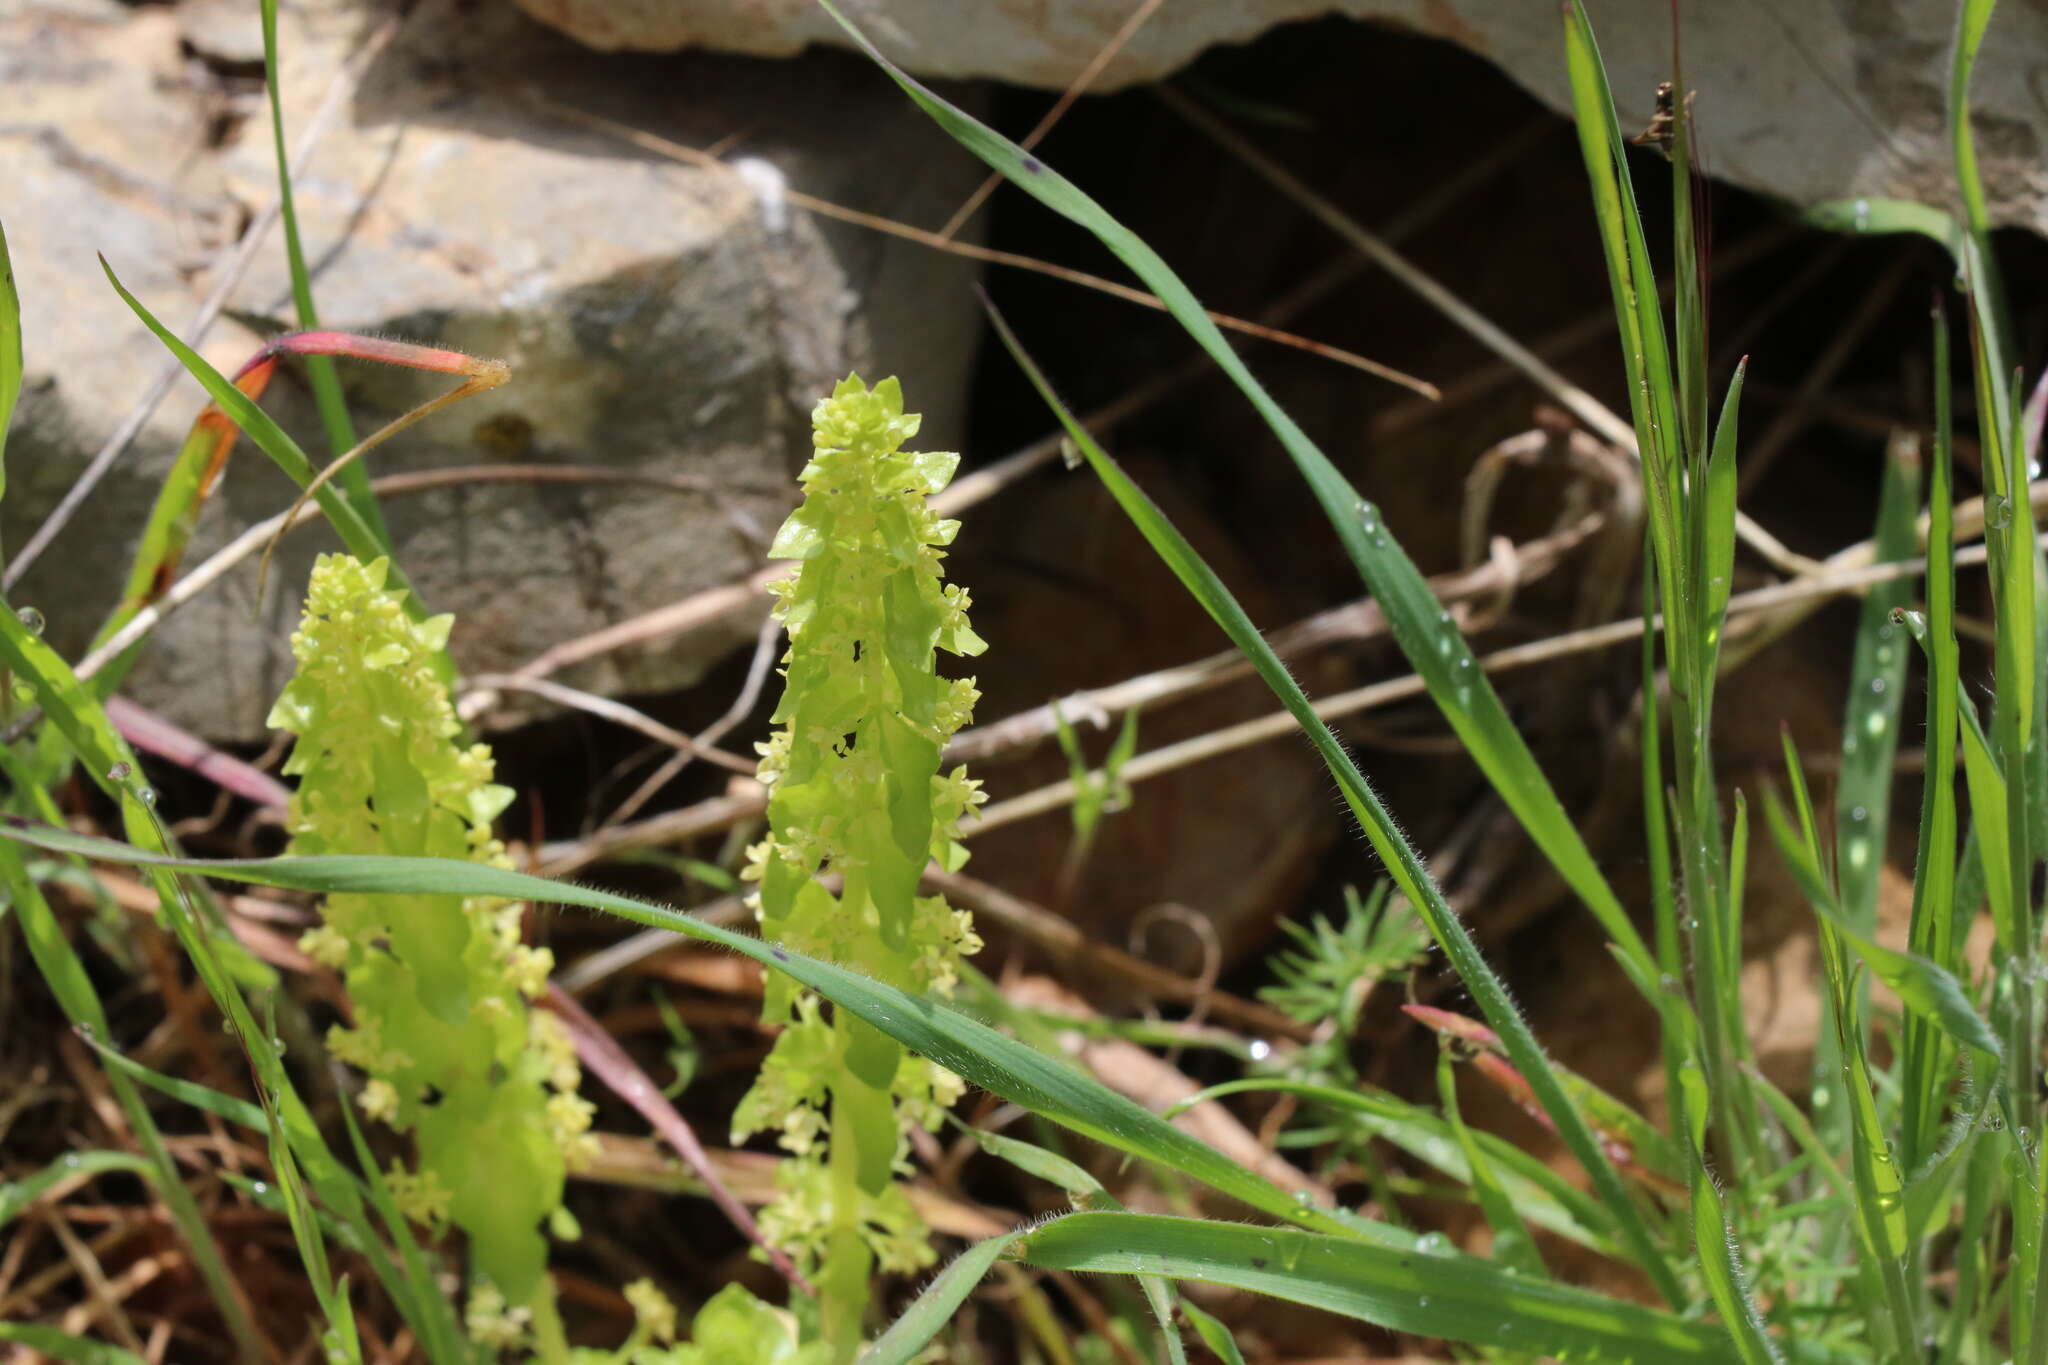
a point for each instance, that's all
(928, 1314)
(320, 369)
(1934, 932)
(76, 713)
(1425, 634)
(966, 1046)
(1403, 863)
(17, 1195)
(65, 973)
(1876, 690)
(1449, 1296)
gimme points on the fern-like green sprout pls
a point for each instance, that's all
(856, 793)
(441, 985)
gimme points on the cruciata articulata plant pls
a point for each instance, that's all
(855, 793)
(441, 986)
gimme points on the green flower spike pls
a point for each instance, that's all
(441, 985)
(855, 790)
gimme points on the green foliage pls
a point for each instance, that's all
(855, 792)
(441, 984)
(1324, 979)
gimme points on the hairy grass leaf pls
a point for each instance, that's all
(1404, 865)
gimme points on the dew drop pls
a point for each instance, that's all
(1863, 215)
(1859, 853)
(31, 619)
(120, 772)
(1258, 1049)
(1998, 512)
(1875, 724)
(1877, 686)
(1432, 1244)
(146, 795)
(259, 1188)
(71, 1161)
(25, 693)
(1858, 814)
(1422, 1302)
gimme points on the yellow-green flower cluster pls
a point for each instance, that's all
(440, 985)
(856, 791)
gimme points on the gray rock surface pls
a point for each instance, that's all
(660, 319)
(1806, 101)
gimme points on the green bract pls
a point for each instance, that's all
(856, 793)
(440, 984)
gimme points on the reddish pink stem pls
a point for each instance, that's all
(602, 1054)
(148, 731)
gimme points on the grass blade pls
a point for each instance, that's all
(966, 1046)
(1451, 1296)
(320, 371)
(1424, 633)
(363, 539)
(1403, 863)
(1933, 932)
(928, 1314)
(17, 1195)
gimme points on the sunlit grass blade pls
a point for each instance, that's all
(966, 1046)
(1425, 634)
(1885, 216)
(1449, 1296)
(320, 371)
(1403, 864)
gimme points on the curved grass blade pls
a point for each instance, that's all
(962, 1044)
(364, 540)
(928, 1314)
(1540, 1194)
(1453, 1296)
(1402, 861)
(17, 1195)
(1425, 634)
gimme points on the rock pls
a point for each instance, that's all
(1805, 102)
(662, 320)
